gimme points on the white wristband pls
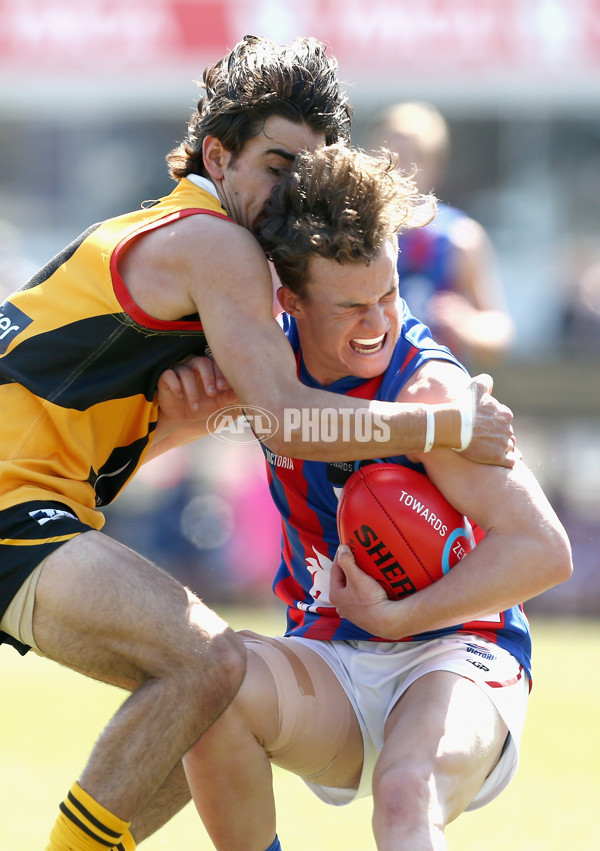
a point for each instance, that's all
(430, 430)
(467, 417)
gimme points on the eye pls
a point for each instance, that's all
(280, 169)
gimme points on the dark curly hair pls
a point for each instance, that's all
(342, 204)
(255, 80)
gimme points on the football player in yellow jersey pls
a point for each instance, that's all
(82, 346)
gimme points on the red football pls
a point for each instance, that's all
(400, 528)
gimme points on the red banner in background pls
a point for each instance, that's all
(101, 37)
(369, 37)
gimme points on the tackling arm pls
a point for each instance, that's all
(253, 353)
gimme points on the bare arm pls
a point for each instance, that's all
(473, 318)
(525, 551)
(255, 356)
(218, 269)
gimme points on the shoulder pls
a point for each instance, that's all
(217, 247)
(175, 269)
(434, 382)
(464, 232)
(207, 235)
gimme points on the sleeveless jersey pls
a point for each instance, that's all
(306, 494)
(425, 261)
(79, 365)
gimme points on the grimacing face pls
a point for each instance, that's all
(249, 177)
(349, 320)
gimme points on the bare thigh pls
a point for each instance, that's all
(108, 612)
(301, 714)
(444, 727)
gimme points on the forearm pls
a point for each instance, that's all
(525, 550)
(323, 426)
(314, 424)
(503, 571)
(180, 437)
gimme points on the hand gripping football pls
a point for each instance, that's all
(400, 528)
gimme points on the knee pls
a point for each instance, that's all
(219, 668)
(406, 796)
(203, 673)
(229, 660)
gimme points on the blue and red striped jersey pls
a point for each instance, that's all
(306, 494)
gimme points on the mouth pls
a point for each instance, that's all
(368, 347)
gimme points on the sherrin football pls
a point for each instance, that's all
(400, 528)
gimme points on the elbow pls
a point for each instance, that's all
(556, 556)
(563, 558)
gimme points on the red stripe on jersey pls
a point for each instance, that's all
(482, 627)
(306, 520)
(289, 591)
(286, 550)
(324, 628)
(411, 354)
(368, 390)
(123, 294)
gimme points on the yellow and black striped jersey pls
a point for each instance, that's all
(79, 365)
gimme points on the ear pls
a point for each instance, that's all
(289, 301)
(215, 157)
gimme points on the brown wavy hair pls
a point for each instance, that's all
(342, 204)
(258, 79)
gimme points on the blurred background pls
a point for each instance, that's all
(94, 93)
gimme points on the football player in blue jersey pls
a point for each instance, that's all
(419, 701)
(448, 269)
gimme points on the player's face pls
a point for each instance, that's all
(350, 320)
(250, 176)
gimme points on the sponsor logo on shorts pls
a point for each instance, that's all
(12, 322)
(479, 665)
(45, 515)
(480, 651)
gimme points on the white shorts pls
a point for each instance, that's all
(374, 675)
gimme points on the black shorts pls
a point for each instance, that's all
(28, 533)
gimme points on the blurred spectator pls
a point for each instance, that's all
(447, 269)
(581, 305)
(204, 513)
(15, 267)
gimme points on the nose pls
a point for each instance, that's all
(374, 319)
(271, 205)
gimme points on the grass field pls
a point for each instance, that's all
(49, 719)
